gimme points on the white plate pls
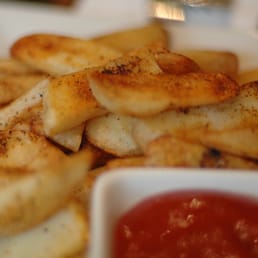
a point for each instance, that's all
(118, 191)
(17, 21)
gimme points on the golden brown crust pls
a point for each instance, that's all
(68, 103)
(11, 66)
(176, 64)
(215, 61)
(149, 94)
(13, 86)
(58, 54)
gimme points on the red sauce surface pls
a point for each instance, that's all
(189, 225)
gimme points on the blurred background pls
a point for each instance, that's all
(57, 2)
(242, 14)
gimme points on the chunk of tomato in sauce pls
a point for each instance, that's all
(189, 224)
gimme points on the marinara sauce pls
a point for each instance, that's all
(189, 225)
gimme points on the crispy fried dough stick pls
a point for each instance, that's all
(61, 235)
(13, 86)
(113, 134)
(149, 94)
(58, 54)
(168, 61)
(169, 151)
(68, 102)
(27, 109)
(20, 108)
(21, 148)
(215, 61)
(10, 66)
(70, 139)
(236, 119)
(27, 196)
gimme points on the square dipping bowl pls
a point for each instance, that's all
(120, 190)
